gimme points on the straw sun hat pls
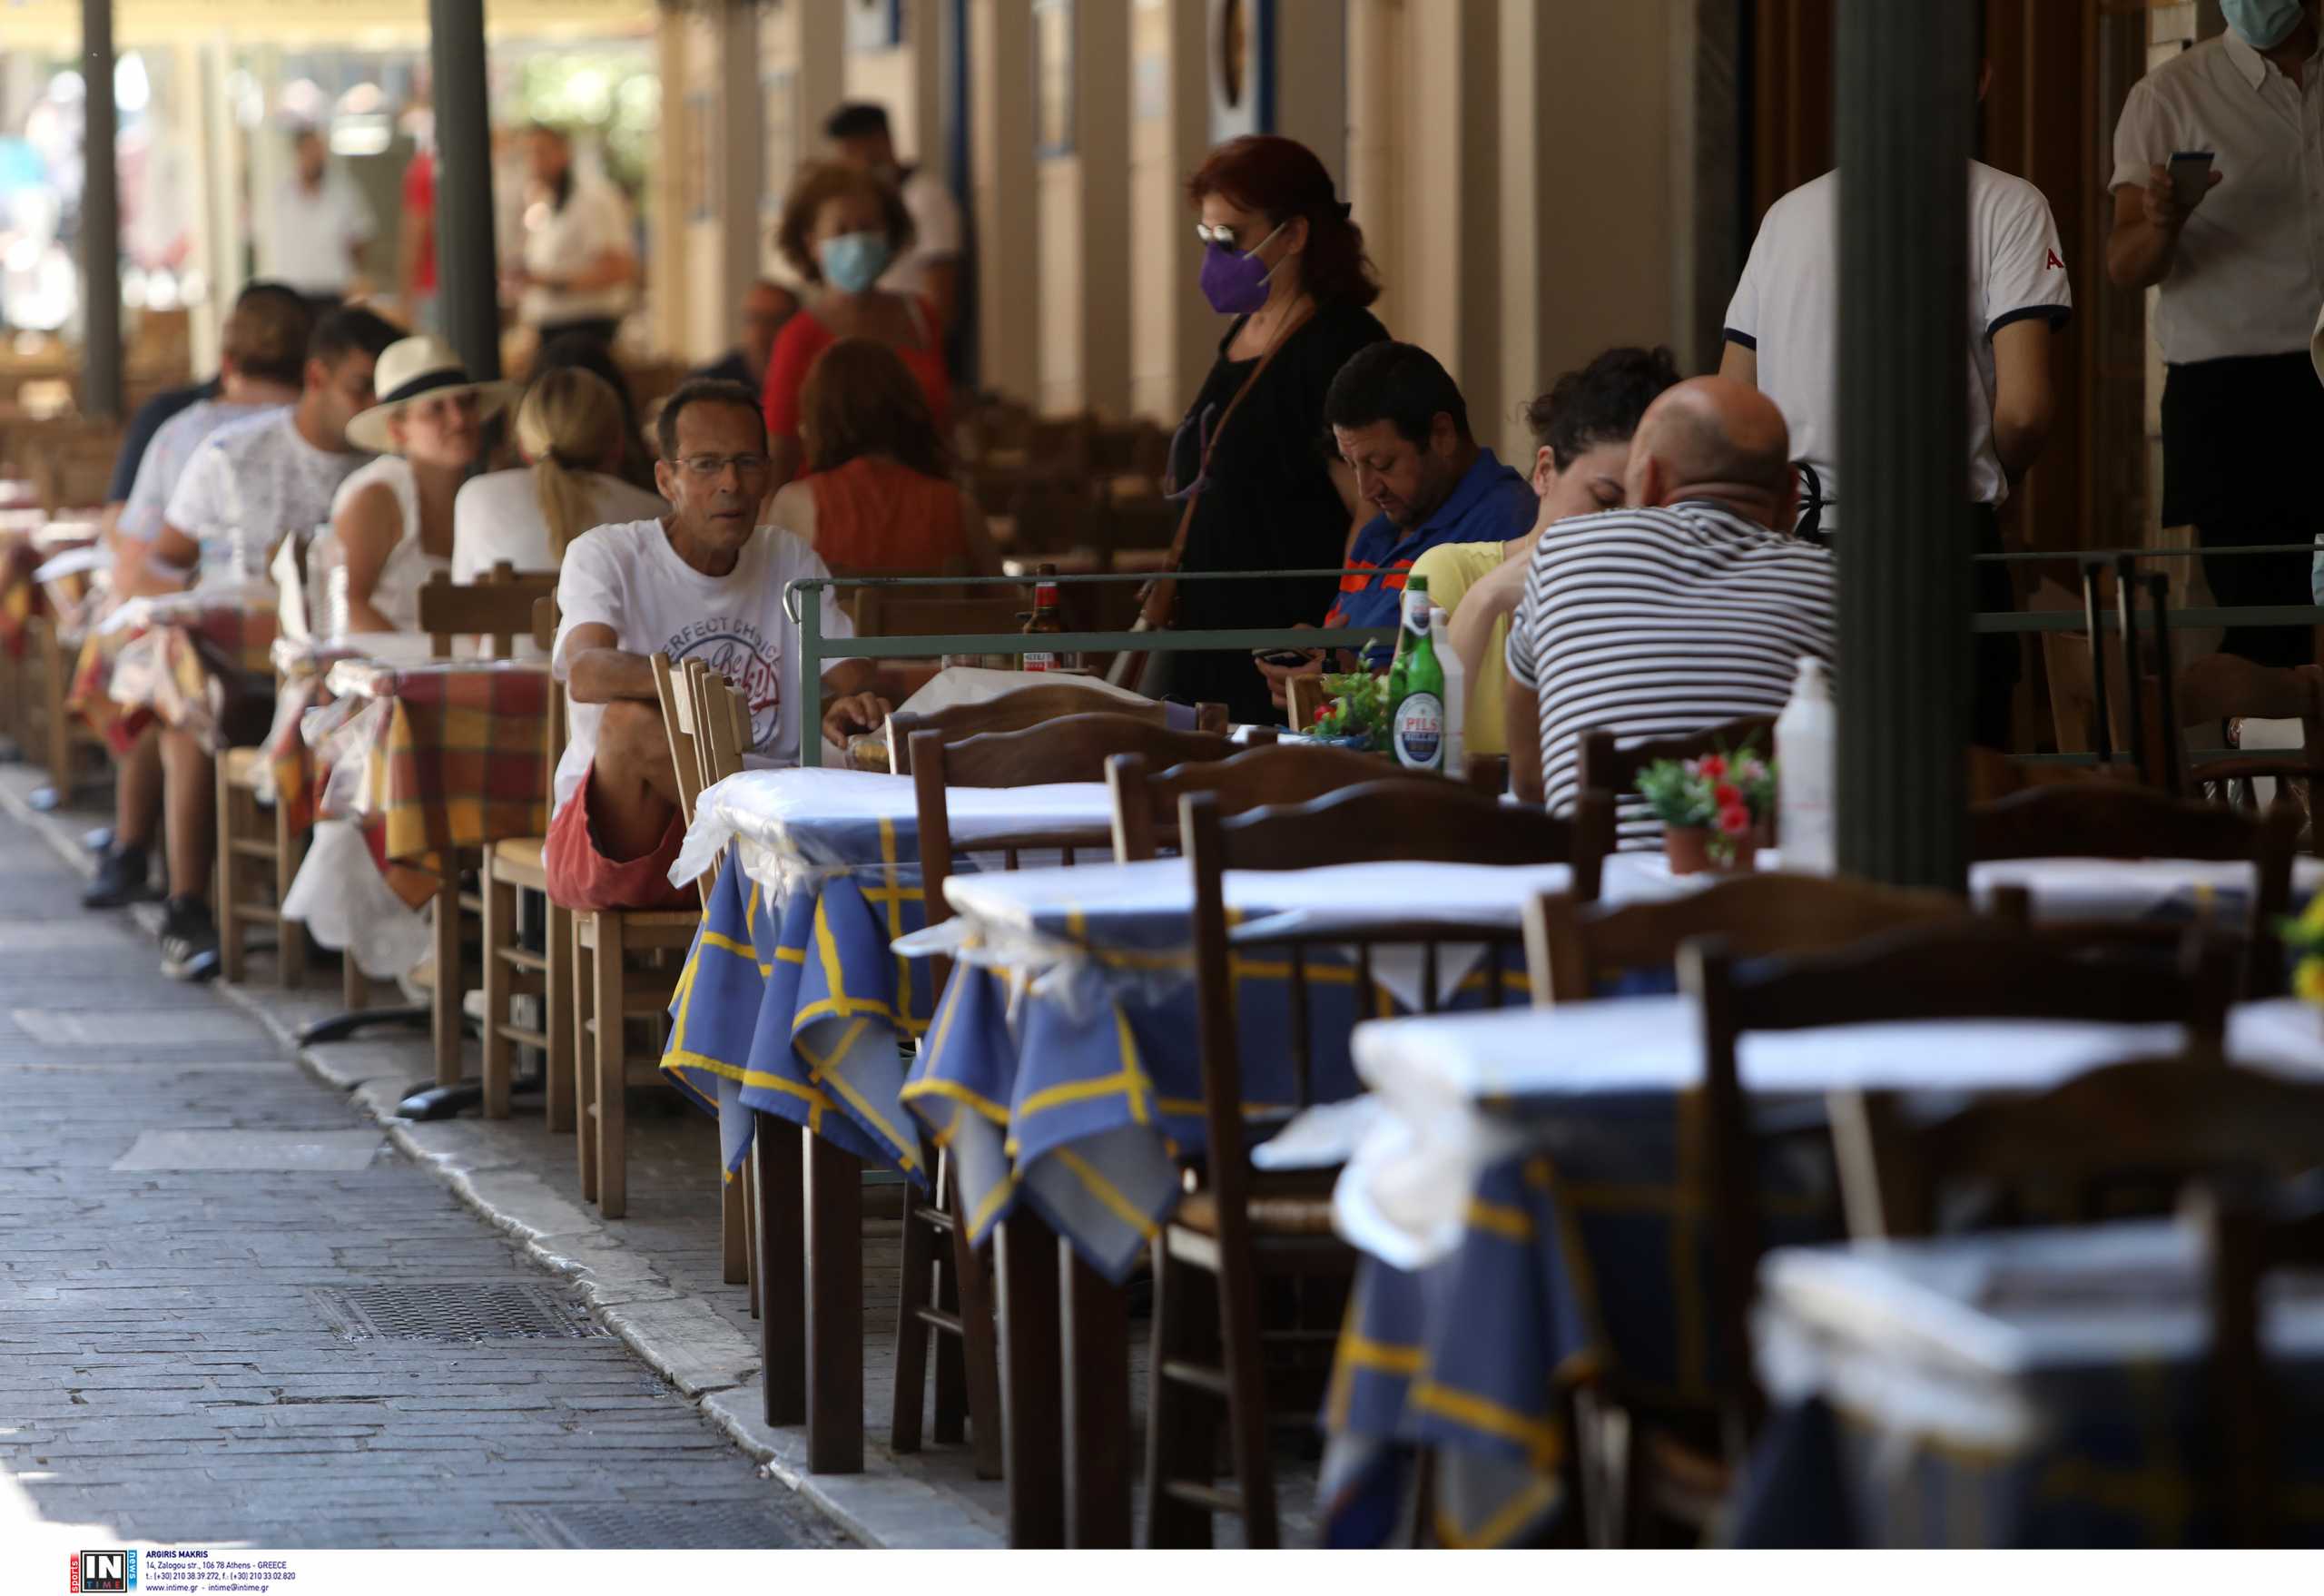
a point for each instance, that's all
(418, 368)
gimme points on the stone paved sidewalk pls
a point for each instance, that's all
(195, 1236)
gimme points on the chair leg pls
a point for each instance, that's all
(950, 1424)
(56, 681)
(1247, 1412)
(585, 1058)
(1178, 1418)
(915, 1291)
(291, 935)
(234, 965)
(979, 1341)
(558, 1020)
(500, 937)
(732, 1227)
(613, 1059)
(354, 986)
(748, 1180)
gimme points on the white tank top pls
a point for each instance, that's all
(396, 595)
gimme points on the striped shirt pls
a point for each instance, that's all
(1656, 622)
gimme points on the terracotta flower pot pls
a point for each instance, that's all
(1688, 848)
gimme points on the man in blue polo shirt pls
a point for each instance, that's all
(1403, 427)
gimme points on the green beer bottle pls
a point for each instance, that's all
(1416, 698)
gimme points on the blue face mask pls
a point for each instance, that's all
(854, 262)
(2264, 24)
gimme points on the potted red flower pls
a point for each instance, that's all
(1712, 809)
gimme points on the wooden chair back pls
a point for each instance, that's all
(1073, 748)
(2182, 1118)
(1146, 806)
(498, 609)
(2114, 820)
(2223, 688)
(914, 612)
(1033, 706)
(1967, 968)
(1053, 516)
(1605, 766)
(1572, 947)
(545, 620)
(677, 721)
(2248, 1242)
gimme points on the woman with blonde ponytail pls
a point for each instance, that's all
(569, 428)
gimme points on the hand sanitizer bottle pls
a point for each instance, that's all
(1806, 733)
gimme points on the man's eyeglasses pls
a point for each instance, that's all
(710, 468)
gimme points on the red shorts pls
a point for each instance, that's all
(580, 876)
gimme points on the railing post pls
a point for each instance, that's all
(809, 596)
(1904, 73)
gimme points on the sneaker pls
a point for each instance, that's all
(189, 940)
(120, 880)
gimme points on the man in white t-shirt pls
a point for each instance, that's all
(317, 227)
(246, 486)
(861, 138)
(579, 269)
(1783, 335)
(705, 582)
(263, 353)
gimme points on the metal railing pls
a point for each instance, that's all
(802, 601)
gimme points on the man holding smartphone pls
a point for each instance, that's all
(2238, 252)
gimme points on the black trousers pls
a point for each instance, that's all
(2239, 439)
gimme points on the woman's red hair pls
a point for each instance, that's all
(1281, 179)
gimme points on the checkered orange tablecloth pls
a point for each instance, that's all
(195, 667)
(458, 763)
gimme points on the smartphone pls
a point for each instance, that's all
(1286, 658)
(2190, 177)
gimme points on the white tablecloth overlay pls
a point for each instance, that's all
(1455, 1089)
(1948, 1338)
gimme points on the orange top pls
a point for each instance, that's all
(875, 515)
(803, 338)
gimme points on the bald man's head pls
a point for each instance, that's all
(1718, 440)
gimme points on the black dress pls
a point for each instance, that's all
(1270, 504)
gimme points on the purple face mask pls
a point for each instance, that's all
(1236, 285)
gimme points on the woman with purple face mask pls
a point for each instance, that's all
(1250, 465)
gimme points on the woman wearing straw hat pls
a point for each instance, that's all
(391, 521)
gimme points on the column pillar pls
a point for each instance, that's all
(743, 154)
(1172, 329)
(1001, 145)
(1102, 156)
(101, 392)
(467, 268)
(1906, 114)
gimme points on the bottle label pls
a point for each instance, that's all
(1418, 737)
(1044, 596)
(1040, 662)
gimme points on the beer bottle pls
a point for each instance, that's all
(1417, 704)
(1396, 665)
(1043, 621)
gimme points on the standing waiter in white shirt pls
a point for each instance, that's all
(1783, 334)
(2241, 271)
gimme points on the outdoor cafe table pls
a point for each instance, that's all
(2020, 1389)
(197, 662)
(1521, 1189)
(442, 757)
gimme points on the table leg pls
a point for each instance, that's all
(447, 1002)
(775, 1149)
(1097, 1405)
(1024, 1255)
(834, 1309)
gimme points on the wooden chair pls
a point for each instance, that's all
(2224, 687)
(511, 971)
(624, 969)
(949, 1301)
(1967, 970)
(2248, 1242)
(1145, 807)
(1022, 707)
(496, 609)
(250, 833)
(2114, 820)
(1606, 766)
(1238, 1218)
(2182, 1118)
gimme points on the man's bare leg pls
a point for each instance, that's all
(190, 811)
(121, 873)
(633, 785)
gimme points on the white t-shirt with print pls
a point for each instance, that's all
(628, 577)
(167, 457)
(259, 476)
(1788, 308)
